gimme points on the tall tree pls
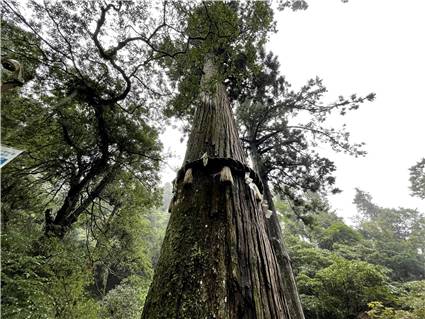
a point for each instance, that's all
(216, 260)
(238, 61)
(91, 104)
(283, 152)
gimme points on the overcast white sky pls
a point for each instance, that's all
(359, 47)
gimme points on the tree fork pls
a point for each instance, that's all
(216, 260)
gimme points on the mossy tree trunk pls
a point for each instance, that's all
(216, 259)
(274, 232)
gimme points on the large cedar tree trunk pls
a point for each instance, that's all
(274, 232)
(216, 259)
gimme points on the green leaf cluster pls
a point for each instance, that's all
(344, 271)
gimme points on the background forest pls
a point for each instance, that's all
(83, 210)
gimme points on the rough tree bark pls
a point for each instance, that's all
(274, 232)
(216, 260)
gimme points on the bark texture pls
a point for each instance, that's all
(216, 259)
(274, 232)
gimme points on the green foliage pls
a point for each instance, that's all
(417, 179)
(52, 286)
(125, 300)
(230, 32)
(340, 270)
(45, 278)
(86, 118)
(397, 236)
(84, 273)
(15, 45)
(90, 162)
(409, 305)
(315, 219)
(379, 311)
(347, 286)
(338, 233)
(334, 287)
